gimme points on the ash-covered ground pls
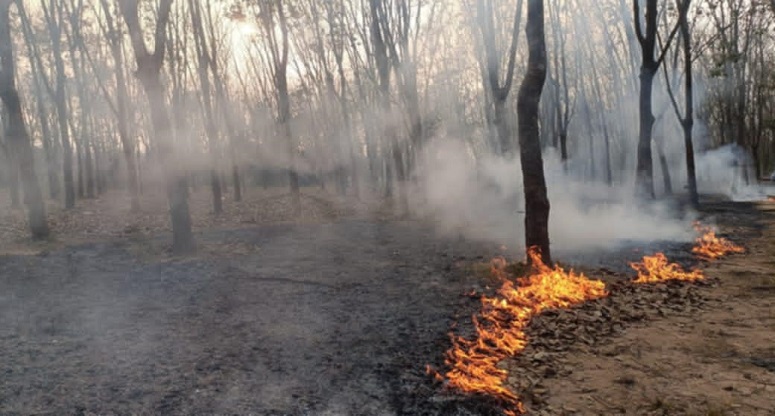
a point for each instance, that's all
(336, 319)
(326, 319)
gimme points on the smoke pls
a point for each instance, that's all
(728, 171)
(483, 200)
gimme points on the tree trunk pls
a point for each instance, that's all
(89, 168)
(688, 122)
(666, 181)
(607, 140)
(175, 176)
(13, 179)
(148, 72)
(80, 172)
(644, 181)
(60, 100)
(534, 182)
(16, 130)
(200, 45)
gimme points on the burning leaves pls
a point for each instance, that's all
(656, 268)
(710, 247)
(501, 325)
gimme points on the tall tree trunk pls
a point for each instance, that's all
(48, 147)
(54, 23)
(16, 130)
(148, 72)
(490, 67)
(122, 117)
(534, 182)
(688, 122)
(644, 173)
(644, 180)
(207, 104)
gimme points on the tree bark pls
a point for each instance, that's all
(16, 130)
(534, 182)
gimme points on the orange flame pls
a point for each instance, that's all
(501, 324)
(710, 247)
(656, 268)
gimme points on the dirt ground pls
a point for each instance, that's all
(339, 313)
(715, 360)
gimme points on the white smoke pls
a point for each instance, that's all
(484, 201)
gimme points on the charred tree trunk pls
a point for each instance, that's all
(534, 182)
(16, 130)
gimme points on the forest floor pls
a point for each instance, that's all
(338, 313)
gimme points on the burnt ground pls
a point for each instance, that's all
(335, 319)
(340, 318)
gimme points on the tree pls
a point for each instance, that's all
(272, 13)
(644, 179)
(149, 66)
(115, 40)
(687, 119)
(54, 22)
(16, 129)
(529, 97)
(490, 66)
(203, 70)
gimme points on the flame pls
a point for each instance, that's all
(501, 325)
(656, 268)
(710, 247)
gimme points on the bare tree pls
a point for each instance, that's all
(650, 63)
(272, 16)
(149, 66)
(203, 70)
(497, 90)
(120, 109)
(16, 129)
(534, 182)
(54, 23)
(687, 118)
